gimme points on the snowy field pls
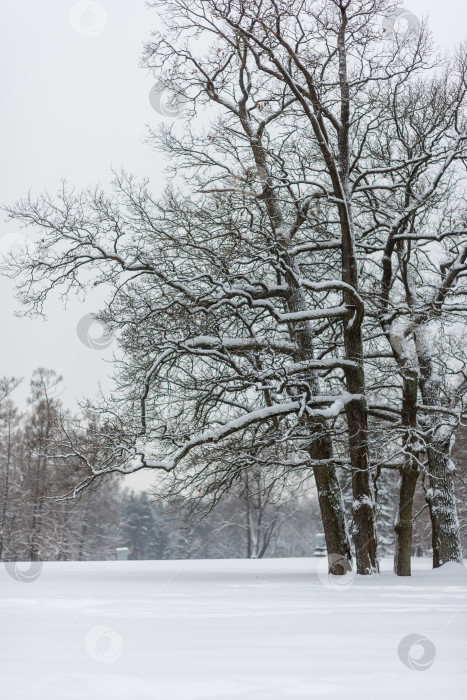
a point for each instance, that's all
(228, 629)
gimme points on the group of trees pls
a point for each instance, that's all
(34, 524)
(295, 302)
(37, 524)
(233, 529)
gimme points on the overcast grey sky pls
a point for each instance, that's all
(74, 103)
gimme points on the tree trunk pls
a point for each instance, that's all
(330, 503)
(333, 518)
(364, 528)
(441, 501)
(403, 525)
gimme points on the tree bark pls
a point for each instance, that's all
(403, 525)
(441, 500)
(331, 506)
(364, 530)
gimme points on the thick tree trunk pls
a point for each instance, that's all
(404, 522)
(403, 525)
(364, 528)
(333, 518)
(441, 501)
(330, 503)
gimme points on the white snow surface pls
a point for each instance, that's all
(274, 629)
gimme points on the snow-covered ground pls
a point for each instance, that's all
(229, 629)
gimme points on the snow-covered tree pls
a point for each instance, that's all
(9, 462)
(143, 527)
(34, 523)
(268, 298)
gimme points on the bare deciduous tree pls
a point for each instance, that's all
(256, 304)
